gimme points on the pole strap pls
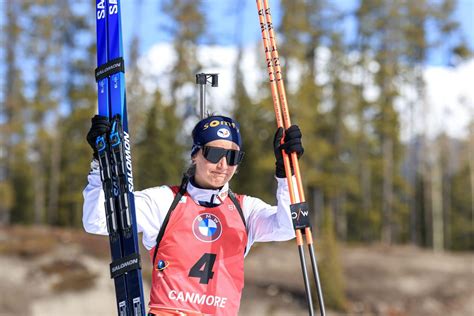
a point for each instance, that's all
(300, 216)
(112, 67)
(124, 265)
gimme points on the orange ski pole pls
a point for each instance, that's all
(299, 207)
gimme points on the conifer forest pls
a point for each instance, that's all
(373, 172)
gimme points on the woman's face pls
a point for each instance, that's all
(214, 175)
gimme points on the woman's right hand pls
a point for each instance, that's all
(100, 126)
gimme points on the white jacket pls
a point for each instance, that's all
(264, 222)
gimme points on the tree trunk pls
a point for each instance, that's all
(318, 208)
(425, 174)
(39, 196)
(8, 104)
(387, 203)
(412, 169)
(437, 204)
(341, 215)
(471, 165)
(54, 179)
(427, 206)
(446, 183)
(365, 180)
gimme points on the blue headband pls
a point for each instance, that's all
(213, 128)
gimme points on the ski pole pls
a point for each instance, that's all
(298, 207)
(202, 80)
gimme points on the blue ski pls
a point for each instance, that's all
(115, 162)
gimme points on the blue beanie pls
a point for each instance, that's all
(213, 128)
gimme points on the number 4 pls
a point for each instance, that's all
(202, 269)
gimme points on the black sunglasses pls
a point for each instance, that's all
(215, 154)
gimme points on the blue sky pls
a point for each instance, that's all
(445, 85)
(232, 21)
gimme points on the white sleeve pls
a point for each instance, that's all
(151, 206)
(93, 210)
(266, 222)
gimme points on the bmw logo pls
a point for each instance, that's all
(207, 227)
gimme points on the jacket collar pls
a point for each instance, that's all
(207, 197)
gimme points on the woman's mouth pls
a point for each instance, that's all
(218, 174)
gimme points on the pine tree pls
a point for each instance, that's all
(462, 231)
(15, 169)
(80, 101)
(417, 47)
(386, 48)
(320, 116)
(186, 30)
(257, 127)
(44, 102)
(137, 97)
(160, 157)
(295, 33)
(331, 272)
(365, 216)
(301, 37)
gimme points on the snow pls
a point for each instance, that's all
(449, 98)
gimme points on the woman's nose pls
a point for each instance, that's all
(222, 163)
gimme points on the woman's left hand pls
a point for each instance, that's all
(291, 144)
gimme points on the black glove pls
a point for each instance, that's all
(291, 144)
(100, 125)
